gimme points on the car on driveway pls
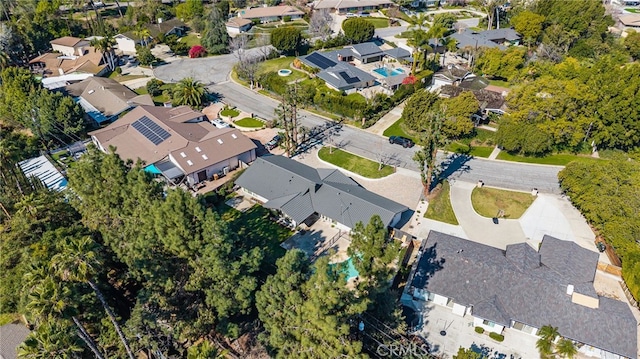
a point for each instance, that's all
(404, 142)
(350, 15)
(219, 123)
(273, 142)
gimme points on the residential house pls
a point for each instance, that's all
(72, 55)
(345, 6)
(11, 336)
(70, 46)
(523, 289)
(450, 75)
(104, 99)
(489, 101)
(40, 167)
(337, 72)
(127, 42)
(237, 25)
(425, 3)
(177, 142)
(305, 194)
(173, 26)
(399, 54)
(366, 52)
(630, 20)
(270, 13)
(500, 38)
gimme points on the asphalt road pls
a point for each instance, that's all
(503, 174)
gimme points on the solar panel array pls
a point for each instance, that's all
(151, 130)
(320, 61)
(350, 80)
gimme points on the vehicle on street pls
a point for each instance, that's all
(273, 142)
(404, 142)
(219, 123)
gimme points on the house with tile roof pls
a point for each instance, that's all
(266, 14)
(103, 99)
(237, 25)
(304, 194)
(524, 288)
(345, 6)
(70, 55)
(178, 143)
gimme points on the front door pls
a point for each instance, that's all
(202, 175)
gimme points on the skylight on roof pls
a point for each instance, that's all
(205, 157)
(189, 163)
(220, 141)
(183, 154)
(234, 136)
(198, 149)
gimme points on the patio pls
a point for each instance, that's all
(459, 332)
(317, 239)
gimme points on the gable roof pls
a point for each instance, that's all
(299, 190)
(632, 20)
(11, 336)
(397, 53)
(346, 4)
(68, 41)
(165, 26)
(366, 49)
(345, 76)
(92, 62)
(175, 131)
(237, 22)
(107, 96)
(269, 11)
(510, 286)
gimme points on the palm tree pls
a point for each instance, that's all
(143, 33)
(549, 333)
(189, 92)
(419, 41)
(51, 340)
(78, 263)
(106, 45)
(566, 349)
(436, 32)
(420, 22)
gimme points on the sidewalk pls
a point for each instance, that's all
(387, 120)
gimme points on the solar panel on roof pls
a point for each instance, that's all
(320, 61)
(151, 130)
(347, 78)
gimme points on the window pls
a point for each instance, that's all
(488, 323)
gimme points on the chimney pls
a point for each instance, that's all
(570, 289)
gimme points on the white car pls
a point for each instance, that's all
(350, 15)
(219, 123)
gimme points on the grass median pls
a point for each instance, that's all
(487, 202)
(440, 208)
(353, 163)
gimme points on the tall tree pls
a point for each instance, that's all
(215, 38)
(358, 30)
(189, 92)
(106, 46)
(529, 25)
(287, 113)
(426, 156)
(286, 39)
(320, 23)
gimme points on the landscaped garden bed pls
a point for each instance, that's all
(249, 122)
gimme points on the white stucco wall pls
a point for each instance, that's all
(127, 46)
(65, 50)
(496, 328)
(254, 195)
(440, 300)
(459, 309)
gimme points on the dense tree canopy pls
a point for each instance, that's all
(529, 25)
(215, 38)
(286, 39)
(501, 64)
(358, 30)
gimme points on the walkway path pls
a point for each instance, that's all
(494, 154)
(387, 120)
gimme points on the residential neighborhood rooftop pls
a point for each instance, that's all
(488, 38)
(11, 336)
(537, 288)
(69, 41)
(269, 11)
(347, 4)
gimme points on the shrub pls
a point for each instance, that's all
(496, 336)
(286, 39)
(479, 330)
(197, 51)
(118, 70)
(154, 87)
(286, 18)
(358, 30)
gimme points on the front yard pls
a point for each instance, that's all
(353, 163)
(378, 22)
(558, 159)
(249, 123)
(280, 63)
(487, 202)
(440, 208)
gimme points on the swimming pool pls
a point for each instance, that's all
(347, 268)
(386, 72)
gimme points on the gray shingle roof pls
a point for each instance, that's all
(366, 49)
(504, 287)
(299, 190)
(397, 53)
(489, 38)
(11, 336)
(344, 76)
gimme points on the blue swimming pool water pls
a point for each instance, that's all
(386, 72)
(348, 268)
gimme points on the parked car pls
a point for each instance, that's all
(363, 14)
(601, 247)
(350, 15)
(273, 142)
(404, 142)
(219, 123)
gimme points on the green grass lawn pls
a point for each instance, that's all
(397, 130)
(500, 83)
(159, 99)
(488, 201)
(191, 40)
(122, 78)
(440, 206)
(249, 122)
(274, 65)
(360, 165)
(255, 229)
(378, 22)
(635, 11)
(8, 318)
(230, 112)
(483, 152)
(558, 159)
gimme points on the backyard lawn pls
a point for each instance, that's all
(356, 164)
(488, 201)
(440, 206)
(159, 99)
(397, 130)
(249, 122)
(558, 159)
(255, 229)
(281, 63)
(378, 22)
